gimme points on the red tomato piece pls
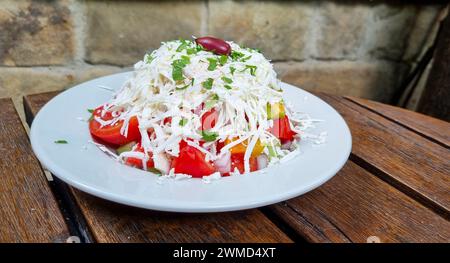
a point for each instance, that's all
(136, 162)
(209, 119)
(237, 161)
(282, 130)
(110, 134)
(167, 120)
(192, 161)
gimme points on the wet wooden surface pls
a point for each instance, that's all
(28, 210)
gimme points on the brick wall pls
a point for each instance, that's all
(360, 48)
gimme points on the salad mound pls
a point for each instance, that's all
(199, 108)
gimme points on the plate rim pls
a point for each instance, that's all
(185, 207)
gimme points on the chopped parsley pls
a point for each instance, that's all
(177, 67)
(184, 44)
(61, 142)
(177, 73)
(251, 68)
(185, 59)
(227, 86)
(232, 70)
(191, 51)
(235, 55)
(91, 111)
(199, 48)
(209, 136)
(207, 84)
(183, 122)
(246, 58)
(149, 59)
(223, 60)
(212, 64)
(227, 80)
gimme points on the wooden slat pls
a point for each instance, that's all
(117, 223)
(28, 210)
(110, 222)
(355, 205)
(434, 129)
(398, 155)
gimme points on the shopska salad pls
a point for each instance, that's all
(199, 108)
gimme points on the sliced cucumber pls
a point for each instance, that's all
(154, 170)
(125, 148)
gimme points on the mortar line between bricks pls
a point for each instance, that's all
(79, 25)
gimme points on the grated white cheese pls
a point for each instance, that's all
(240, 92)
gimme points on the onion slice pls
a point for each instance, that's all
(223, 164)
(262, 161)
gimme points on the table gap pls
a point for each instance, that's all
(282, 225)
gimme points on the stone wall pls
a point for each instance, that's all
(360, 48)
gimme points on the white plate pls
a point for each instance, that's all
(82, 165)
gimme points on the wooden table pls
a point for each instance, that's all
(394, 188)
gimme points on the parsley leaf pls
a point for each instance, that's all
(149, 59)
(235, 55)
(223, 60)
(199, 48)
(246, 58)
(209, 136)
(227, 80)
(227, 86)
(183, 122)
(191, 51)
(212, 64)
(232, 70)
(177, 67)
(177, 73)
(61, 142)
(251, 68)
(207, 84)
(184, 44)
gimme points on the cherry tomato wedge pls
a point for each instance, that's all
(209, 119)
(136, 162)
(110, 134)
(282, 130)
(237, 161)
(192, 161)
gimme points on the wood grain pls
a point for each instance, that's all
(409, 161)
(355, 205)
(28, 210)
(433, 129)
(117, 223)
(109, 222)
